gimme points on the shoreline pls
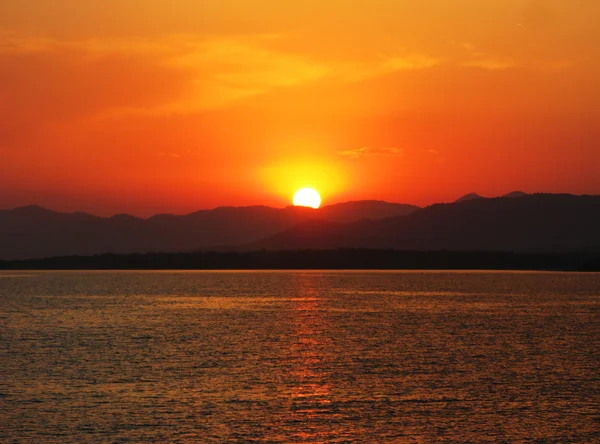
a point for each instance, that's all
(341, 259)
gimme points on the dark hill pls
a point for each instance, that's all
(540, 222)
(470, 196)
(364, 209)
(34, 232)
(516, 194)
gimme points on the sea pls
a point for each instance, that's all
(299, 357)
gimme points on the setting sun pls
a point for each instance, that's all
(307, 197)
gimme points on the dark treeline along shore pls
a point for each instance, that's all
(340, 259)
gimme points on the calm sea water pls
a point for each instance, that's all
(300, 357)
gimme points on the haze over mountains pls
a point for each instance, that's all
(515, 222)
(529, 223)
(35, 232)
(473, 196)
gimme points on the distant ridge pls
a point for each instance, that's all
(474, 196)
(531, 223)
(36, 232)
(516, 195)
(516, 222)
(364, 209)
(467, 197)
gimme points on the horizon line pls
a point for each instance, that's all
(301, 208)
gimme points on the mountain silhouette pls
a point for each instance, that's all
(516, 194)
(531, 223)
(470, 196)
(35, 232)
(516, 222)
(363, 209)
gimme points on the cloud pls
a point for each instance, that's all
(42, 87)
(491, 64)
(434, 154)
(357, 153)
(216, 70)
(411, 61)
(235, 68)
(204, 72)
(473, 57)
(383, 65)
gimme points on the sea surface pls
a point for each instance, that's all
(299, 357)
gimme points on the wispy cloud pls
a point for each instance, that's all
(384, 65)
(367, 152)
(218, 69)
(491, 64)
(434, 154)
(473, 57)
(410, 61)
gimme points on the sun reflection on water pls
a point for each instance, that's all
(311, 392)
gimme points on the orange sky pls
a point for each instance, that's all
(150, 106)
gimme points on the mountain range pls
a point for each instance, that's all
(35, 232)
(515, 222)
(528, 223)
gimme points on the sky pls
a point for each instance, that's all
(148, 106)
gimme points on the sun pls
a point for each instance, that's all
(307, 197)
